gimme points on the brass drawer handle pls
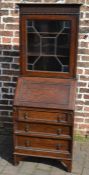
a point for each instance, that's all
(58, 146)
(59, 131)
(27, 143)
(26, 128)
(60, 120)
(25, 116)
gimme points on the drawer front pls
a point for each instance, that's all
(42, 153)
(43, 128)
(60, 117)
(40, 143)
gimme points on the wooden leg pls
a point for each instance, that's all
(16, 160)
(68, 164)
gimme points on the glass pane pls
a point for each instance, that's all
(47, 63)
(48, 45)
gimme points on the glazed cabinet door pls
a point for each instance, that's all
(48, 45)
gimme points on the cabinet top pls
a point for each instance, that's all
(49, 8)
(72, 5)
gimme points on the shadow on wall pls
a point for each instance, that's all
(9, 61)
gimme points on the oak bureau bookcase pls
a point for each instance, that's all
(43, 110)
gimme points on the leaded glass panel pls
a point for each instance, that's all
(48, 44)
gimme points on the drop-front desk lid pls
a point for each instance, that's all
(45, 93)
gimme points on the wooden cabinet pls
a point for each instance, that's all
(44, 100)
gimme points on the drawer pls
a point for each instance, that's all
(60, 117)
(42, 143)
(43, 128)
(42, 153)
